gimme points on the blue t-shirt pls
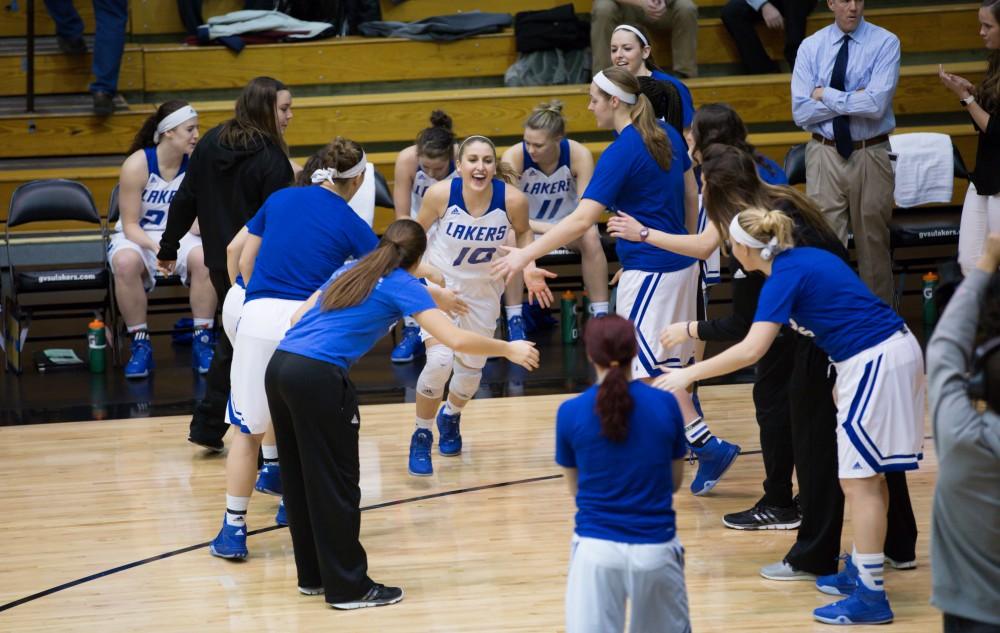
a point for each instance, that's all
(770, 172)
(625, 489)
(343, 336)
(628, 179)
(307, 233)
(818, 295)
(687, 103)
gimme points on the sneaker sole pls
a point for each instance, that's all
(843, 619)
(455, 454)
(209, 447)
(239, 556)
(901, 565)
(137, 376)
(310, 591)
(831, 591)
(273, 493)
(419, 474)
(400, 361)
(770, 526)
(347, 606)
(789, 578)
(714, 482)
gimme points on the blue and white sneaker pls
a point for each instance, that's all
(231, 541)
(449, 437)
(516, 328)
(842, 583)
(281, 517)
(864, 606)
(714, 459)
(410, 346)
(420, 453)
(202, 349)
(141, 361)
(269, 480)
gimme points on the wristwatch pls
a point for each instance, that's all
(643, 234)
(967, 101)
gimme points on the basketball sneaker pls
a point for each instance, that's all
(843, 583)
(864, 606)
(231, 541)
(784, 571)
(764, 517)
(141, 361)
(516, 329)
(714, 459)
(202, 349)
(281, 517)
(420, 453)
(377, 596)
(310, 591)
(901, 564)
(410, 346)
(449, 437)
(269, 479)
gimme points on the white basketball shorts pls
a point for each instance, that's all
(484, 310)
(188, 243)
(232, 307)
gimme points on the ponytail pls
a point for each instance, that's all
(772, 228)
(611, 344)
(402, 245)
(144, 137)
(643, 117)
(507, 173)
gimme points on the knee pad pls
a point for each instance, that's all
(465, 381)
(437, 368)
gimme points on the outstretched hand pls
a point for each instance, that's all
(449, 301)
(538, 290)
(523, 353)
(513, 261)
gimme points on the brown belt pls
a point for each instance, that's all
(875, 140)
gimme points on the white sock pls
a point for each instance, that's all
(451, 409)
(200, 323)
(132, 329)
(512, 311)
(697, 433)
(425, 423)
(598, 308)
(871, 567)
(270, 452)
(409, 322)
(236, 510)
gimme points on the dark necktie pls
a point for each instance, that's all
(841, 124)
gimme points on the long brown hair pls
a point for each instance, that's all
(731, 184)
(653, 136)
(402, 245)
(256, 116)
(144, 137)
(988, 92)
(719, 123)
(340, 154)
(610, 343)
(505, 172)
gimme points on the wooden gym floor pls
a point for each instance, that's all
(105, 527)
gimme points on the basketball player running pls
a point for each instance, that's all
(552, 170)
(150, 177)
(474, 213)
(879, 387)
(645, 171)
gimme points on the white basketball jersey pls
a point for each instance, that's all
(157, 194)
(550, 197)
(465, 247)
(421, 183)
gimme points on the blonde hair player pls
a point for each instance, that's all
(552, 170)
(474, 211)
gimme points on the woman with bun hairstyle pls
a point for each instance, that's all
(552, 170)
(429, 160)
(621, 444)
(631, 50)
(879, 386)
(150, 177)
(315, 406)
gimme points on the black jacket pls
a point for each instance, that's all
(223, 188)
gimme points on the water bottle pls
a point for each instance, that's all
(567, 316)
(930, 305)
(97, 344)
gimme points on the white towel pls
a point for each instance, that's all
(924, 168)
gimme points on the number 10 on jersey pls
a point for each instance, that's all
(475, 255)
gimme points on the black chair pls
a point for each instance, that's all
(383, 197)
(48, 201)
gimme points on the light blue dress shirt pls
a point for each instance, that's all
(872, 75)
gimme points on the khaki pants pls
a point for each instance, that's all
(680, 19)
(857, 194)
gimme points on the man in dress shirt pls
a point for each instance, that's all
(740, 17)
(842, 88)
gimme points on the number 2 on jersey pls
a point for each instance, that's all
(475, 255)
(153, 216)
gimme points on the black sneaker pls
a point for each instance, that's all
(211, 443)
(70, 46)
(764, 517)
(377, 596)
(104, 104)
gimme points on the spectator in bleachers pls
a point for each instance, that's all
(981, 212)
(111, 17)
(679, 17)
(842, 88)
(235, 167)
(740, 17)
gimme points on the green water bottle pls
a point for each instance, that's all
(930, 305)
(567, 316)
(97, 344)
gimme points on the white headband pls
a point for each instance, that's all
(172, 120)
(320, 175)
(609, 87)
(739, 234)
(632, 29)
